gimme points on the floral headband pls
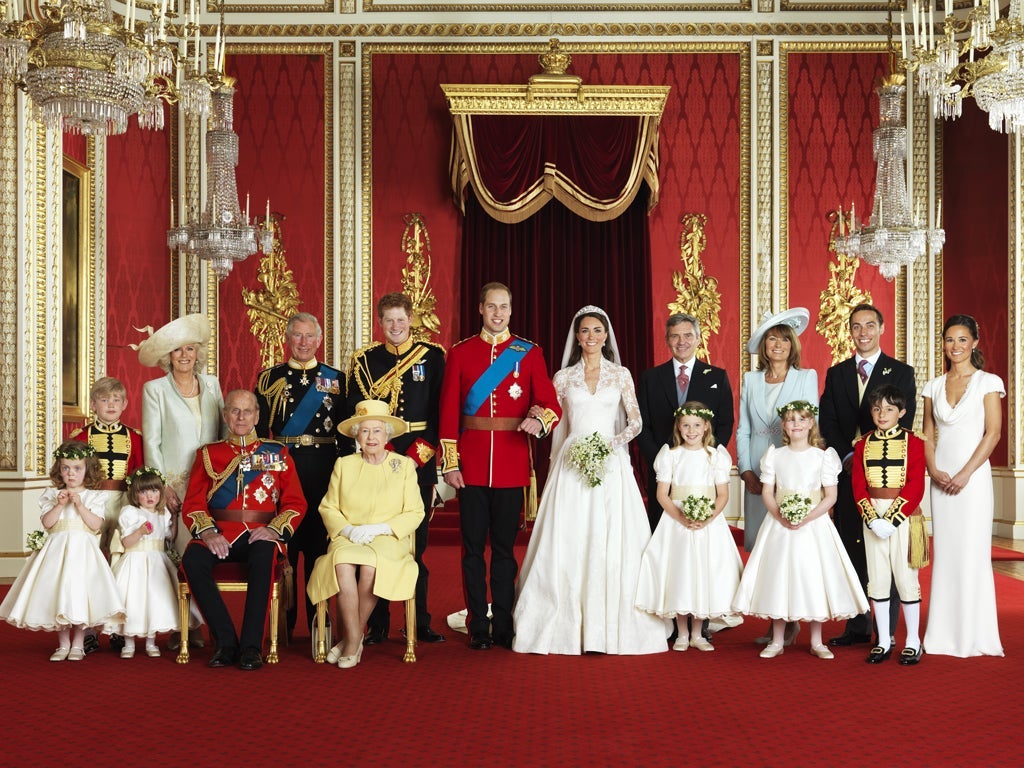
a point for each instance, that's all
(704, 413)
(138, 473)
(798, 405)
(76, 451)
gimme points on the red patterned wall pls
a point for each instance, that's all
(832, 112)
(279, 119)
(976, 219)
(700, 166)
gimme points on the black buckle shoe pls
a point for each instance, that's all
(910, 657)
(878, 654)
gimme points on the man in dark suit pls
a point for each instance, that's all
(845, 416)
(667, 386)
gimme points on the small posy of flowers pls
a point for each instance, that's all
(172, 554)
(795, 508)
(587, 456)
(35, 540)
(697, 508)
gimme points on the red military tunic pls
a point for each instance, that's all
(118, 449)
(243, 483)
(498, 457)
(888, 463)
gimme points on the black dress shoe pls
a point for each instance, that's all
(375, 636)
(91, 644)
(427, 635)
(480, 641)
(878, 654)
(505, 641)
(849, 638)
(909, 657)
(116, 642)
(250, 659)
(224, 657)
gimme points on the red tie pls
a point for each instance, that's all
(683, 381)
(862, 371)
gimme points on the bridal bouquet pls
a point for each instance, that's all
(587, 456)
(795, 508)
(35, 540)
(697, 508)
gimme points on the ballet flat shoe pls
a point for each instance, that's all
(76, 654)
(822, 652)
(681, 644)
(347, 662)
(334, 654)
(153, 652)
(771, 651)
(127, 653)
(60, 654)
(701, 645)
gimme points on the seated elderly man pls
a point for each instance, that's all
(372, 504)
(243, 503)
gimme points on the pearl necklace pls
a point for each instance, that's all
(192, 392)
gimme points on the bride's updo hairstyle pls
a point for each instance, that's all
(968, 322)
(577, 350)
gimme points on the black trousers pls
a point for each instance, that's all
(380, 618)
(850, 526)
(198, 563)
(489, 514)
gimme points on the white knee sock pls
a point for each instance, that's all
(881, 610)
(912, 615)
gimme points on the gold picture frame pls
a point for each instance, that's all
(77, 270)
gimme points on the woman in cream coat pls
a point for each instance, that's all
(372, 505)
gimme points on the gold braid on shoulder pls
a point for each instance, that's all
(218, 478)
(274, 393)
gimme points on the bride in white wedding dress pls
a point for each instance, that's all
(578, 581)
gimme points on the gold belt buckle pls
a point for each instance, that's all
(305, 440)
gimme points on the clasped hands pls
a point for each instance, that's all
(882, 528)
(364, 534)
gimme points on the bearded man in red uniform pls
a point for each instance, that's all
(243, 504)
(495, 395)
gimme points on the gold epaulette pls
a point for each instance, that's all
(439, 347)
(449, 455)
(80, 431)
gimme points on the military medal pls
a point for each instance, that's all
(419, 371)
(515, 390)
(304, 381)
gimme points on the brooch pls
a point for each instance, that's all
(886, 371)
(396, 464)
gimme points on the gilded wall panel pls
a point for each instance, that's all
(10, 279)
(347, 216)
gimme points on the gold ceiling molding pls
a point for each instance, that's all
(674, 29)
(830, 7)
(326, 6)
(556, 99)
(371, 6)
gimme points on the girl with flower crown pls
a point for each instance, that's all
(799, 569)
(67, 585)
(145, 575)
(691, 568)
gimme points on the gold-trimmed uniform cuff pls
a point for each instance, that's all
(548, 419)
(449, 455)
(282, 524)
(420, 451)
(895, 513)
(867, 510)
(200, 523)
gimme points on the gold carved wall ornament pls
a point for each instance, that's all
(270, 308)
(416, 278)
(840, 296)
(696, 293)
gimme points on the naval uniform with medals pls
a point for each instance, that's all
(408, 378)
(301, 405)
(490, 384)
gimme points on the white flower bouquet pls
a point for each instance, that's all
(697, 508)
(588, 455)
(35, 540)
(795, 508)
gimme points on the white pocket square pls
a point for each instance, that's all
(714, 386)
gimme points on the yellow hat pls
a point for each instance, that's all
(188, 329)
(375, 410)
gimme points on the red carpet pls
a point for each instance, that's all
(1004, 554)
(456, 706)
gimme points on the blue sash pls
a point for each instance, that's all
(228, 491)
(304, 412)
(494, 375)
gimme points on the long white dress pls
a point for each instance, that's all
(579, 576)
(146, 577)
(801, 575)
(685, 571)
(962, 610)
(67, 582)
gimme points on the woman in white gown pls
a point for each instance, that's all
(579, 576)
(962, 422)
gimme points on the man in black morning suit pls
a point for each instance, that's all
(846, 415)
(661, 393)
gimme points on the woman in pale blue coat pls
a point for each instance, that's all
(778, 380)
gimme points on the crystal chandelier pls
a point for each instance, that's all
(87, 73)
(221, 235)
(996, 80)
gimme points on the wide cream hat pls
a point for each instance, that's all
(796, 318)
(376, 410)
(188, 329)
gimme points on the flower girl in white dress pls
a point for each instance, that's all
(691, 567)
(799, 569)
(145, 575)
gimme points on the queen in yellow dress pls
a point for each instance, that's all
(372, 505)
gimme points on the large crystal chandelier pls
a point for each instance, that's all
(221, 234)
(892, 237)
(87, 72)
(996, 80)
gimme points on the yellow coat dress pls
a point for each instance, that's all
(362, 494)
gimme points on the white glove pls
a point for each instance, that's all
(883, 529)
(347, 531)
(364, 534)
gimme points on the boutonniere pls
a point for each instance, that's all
(706, 371)
(886, 371)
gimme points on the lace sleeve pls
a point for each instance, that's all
(631, 407)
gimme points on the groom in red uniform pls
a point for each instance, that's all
(495, 395)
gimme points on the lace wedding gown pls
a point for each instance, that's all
(578, 581)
